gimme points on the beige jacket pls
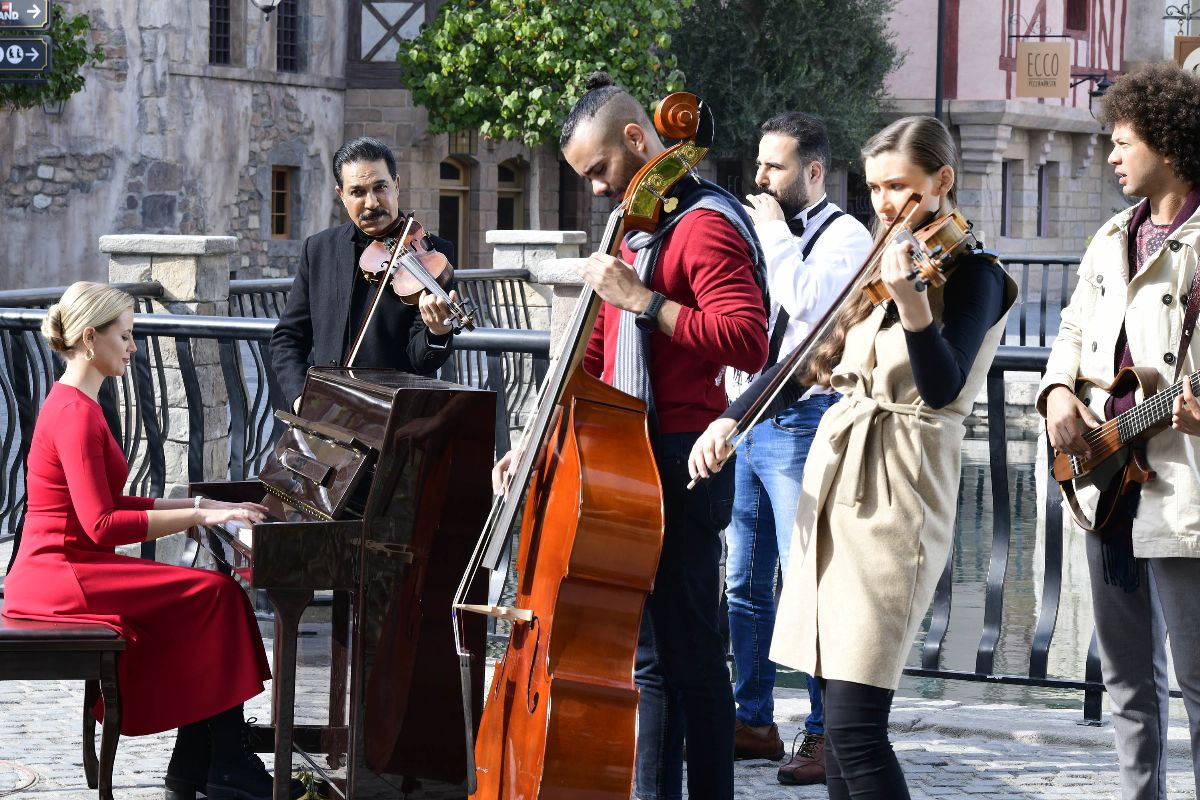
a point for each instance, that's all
(876, 514)
(1152, 306)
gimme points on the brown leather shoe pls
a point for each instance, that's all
(807, 765)
(751, 743)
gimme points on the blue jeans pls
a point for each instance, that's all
(681, 667)
(770, 463)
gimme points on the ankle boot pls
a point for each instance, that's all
(236, 772)
(187, 773)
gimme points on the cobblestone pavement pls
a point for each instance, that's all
(948, 750)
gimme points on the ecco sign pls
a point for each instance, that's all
(1043, 69)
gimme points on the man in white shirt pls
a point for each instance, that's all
(813, 249)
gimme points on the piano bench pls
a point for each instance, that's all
(49, 651)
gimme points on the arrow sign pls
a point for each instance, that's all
(24, 14)
(29, 54)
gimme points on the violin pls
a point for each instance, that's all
(410, 265)
(935, 246)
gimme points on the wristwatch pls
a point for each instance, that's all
(648, 320)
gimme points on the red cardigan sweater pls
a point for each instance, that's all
(706, 267)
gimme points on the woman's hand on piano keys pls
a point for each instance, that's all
(218, 512)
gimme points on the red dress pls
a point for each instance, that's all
(192, 644)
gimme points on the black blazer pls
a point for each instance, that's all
(312, 329)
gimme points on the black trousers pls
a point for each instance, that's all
(859, 760)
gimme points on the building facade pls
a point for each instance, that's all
(208, 118)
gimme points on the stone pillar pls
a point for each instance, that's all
(194, 273)
(978, 190)
(560, 276)
(530, 250)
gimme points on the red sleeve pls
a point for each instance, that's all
(728, 324)
(129, 502)
(593, 357)
(80, 442)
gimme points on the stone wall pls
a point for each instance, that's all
(160, 141)
(390, 116)
(194, 274)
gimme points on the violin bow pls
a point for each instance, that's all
(388, 272)
(792, 363)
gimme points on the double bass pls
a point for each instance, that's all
(560, 717)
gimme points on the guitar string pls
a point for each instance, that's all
(1142, 416)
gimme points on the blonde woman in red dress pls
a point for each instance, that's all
(193, 650)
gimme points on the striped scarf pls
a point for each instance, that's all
(631, 373)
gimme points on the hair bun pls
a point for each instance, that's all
(598, 80)
(52, 329)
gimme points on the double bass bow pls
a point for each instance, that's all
(560, 716)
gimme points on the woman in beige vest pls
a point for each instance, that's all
(876, 513)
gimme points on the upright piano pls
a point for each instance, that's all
(377, 490)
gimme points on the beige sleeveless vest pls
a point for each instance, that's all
(876, 514)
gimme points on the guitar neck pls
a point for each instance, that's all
(1153, 411)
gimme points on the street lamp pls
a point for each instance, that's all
(266, 6)
(1100, 84)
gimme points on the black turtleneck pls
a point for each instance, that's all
(941, 358)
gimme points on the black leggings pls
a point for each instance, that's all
(859, 760)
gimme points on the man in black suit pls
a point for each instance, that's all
(330, 296)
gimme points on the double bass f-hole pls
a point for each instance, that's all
(532, 697)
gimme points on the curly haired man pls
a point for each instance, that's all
(1129, 309)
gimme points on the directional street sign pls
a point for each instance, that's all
(24, 14)
(29, 54)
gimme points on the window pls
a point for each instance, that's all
(387, 25)
(574, 200)
(220, 32)
(510, 196)
(1075, 16)
(281, 202)
(287, 36)
(729, 176)
(1006, 193)
(452, 207)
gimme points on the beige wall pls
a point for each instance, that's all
(993, 127)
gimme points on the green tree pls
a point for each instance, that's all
(514, 68)
(751, 59)
(67, 60)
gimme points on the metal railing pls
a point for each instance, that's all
(136, 411)
(136, 407)
(1010, 359)
(498, 294)
(1044, 286)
